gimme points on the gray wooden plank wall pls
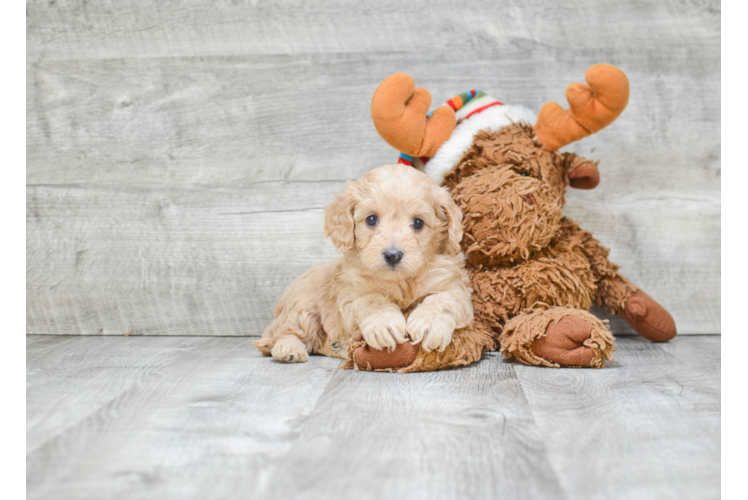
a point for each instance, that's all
(179, 155)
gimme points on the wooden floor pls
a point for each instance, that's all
(202, 417)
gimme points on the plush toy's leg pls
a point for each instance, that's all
(467, 346)
(618, 295)
(361, 356)
(557, 336)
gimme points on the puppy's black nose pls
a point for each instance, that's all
(393, 257)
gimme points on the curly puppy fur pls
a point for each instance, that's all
(323, 308)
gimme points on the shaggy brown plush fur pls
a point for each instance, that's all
(572, 271)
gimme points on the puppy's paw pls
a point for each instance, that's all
(432, 329)
(290, 350)
(384, 329)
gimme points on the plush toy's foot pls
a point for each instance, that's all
(557, 336)
(648, 318)
(368, 358)
(468, 345)
(563, 342)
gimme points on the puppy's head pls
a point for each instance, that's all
(394, 220)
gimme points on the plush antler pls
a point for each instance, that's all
(592, 107)
(399, 111)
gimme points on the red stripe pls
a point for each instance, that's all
(497, 103)
(405, 162)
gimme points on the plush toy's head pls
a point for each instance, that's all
(512, 192)
(506, 175)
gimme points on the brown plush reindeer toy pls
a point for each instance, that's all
(534, 273)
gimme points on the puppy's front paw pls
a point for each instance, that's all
(432, 329)
(290, 350)
(384, 329)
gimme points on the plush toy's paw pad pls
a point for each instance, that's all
(369, 358)
(290, 350)
(563, 342)
(648, 318)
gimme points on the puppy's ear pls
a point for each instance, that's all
(339, 226)
(449, 212)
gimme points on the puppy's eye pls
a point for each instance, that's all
(417, 224)
(372, 220)
(523, 174)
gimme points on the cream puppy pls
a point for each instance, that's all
(399, 234)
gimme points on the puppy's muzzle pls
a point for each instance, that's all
(392, 257)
